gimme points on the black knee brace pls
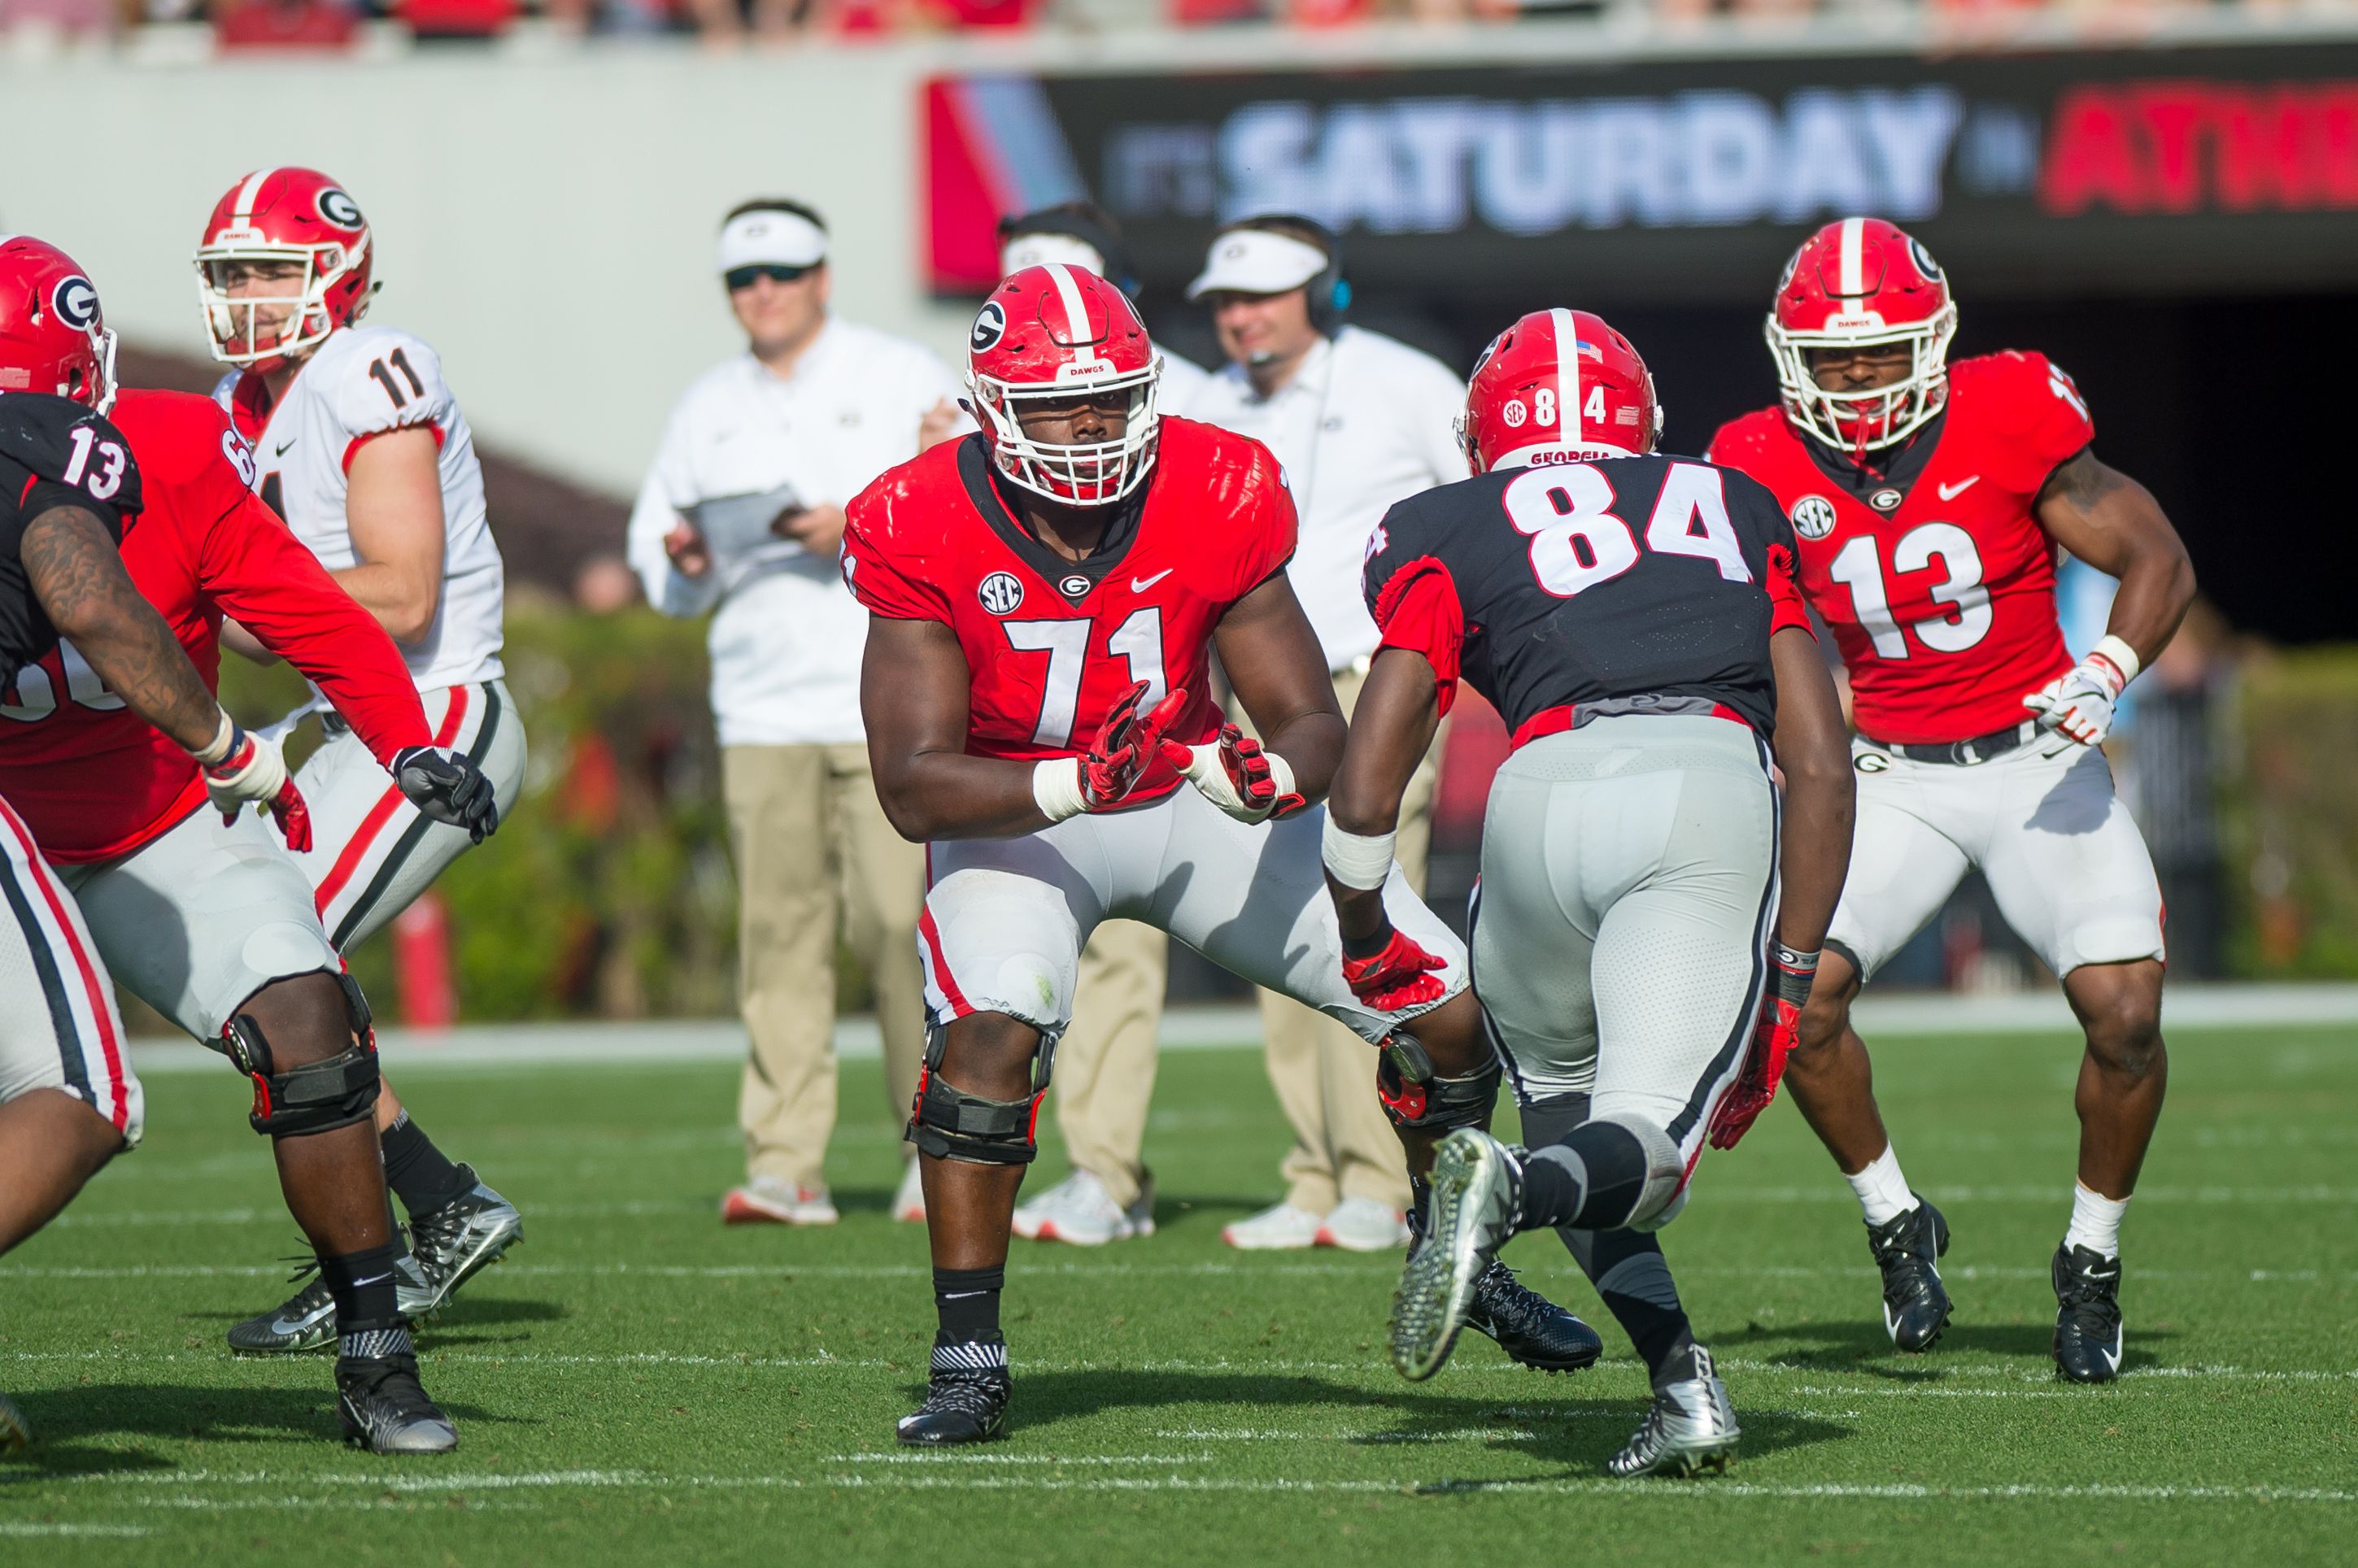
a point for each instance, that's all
(317, 1096)
(1415, 1096)
(950, 1124)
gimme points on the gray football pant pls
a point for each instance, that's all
(1619, 931)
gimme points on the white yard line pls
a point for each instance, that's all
(593, 1042)
(11, 1529)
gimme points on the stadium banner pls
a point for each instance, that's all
(2133, 171)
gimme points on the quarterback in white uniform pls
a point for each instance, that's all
(360, 447)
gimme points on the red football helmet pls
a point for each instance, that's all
(1857, 282)
(1558, 386)
(1044, 333)
(296, 215)
(53, 338)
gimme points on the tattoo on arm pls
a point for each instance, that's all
(78, 576)
(2082, 481)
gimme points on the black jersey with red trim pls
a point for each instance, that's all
(1571, 583)
(53, 452)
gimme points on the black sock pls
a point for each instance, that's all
(1591, 1181)
(419, 1172)
(1689, 1363)
(1419, 1193)
(1633, 1280)
(361, 1283)
(965, 1302)
(393, 1227)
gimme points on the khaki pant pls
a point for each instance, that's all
(812, 844)
(1324, 1075)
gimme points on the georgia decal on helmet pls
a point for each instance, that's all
(296, 222)
(53, 337)
(1558, 386)
(1047, 335)
(1861, 283)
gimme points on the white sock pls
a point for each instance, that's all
(2095, 1222)
(1882, 1191)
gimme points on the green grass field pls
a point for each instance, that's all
(637, 1384)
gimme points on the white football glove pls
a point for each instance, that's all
(241, 767)
(2077, 706)
(1238, 775)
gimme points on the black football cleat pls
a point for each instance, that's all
(1528, 1326)
(966, 1400)
(15, 1435)
(307, 1320)
(2087, 1315)
(380, 1402)
(1907, 1248)
(1690, 1428)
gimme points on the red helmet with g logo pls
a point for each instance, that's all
(53, 338)
(1862, 283)
(294, 216)
(1558, 386)
(1045, 334)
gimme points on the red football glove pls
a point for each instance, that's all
(250, 768)
(1238, 775)
(1773, 1034)
(1398, 975)
(1125, 745)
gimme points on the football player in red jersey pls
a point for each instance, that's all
(1044, 597)
(1930, 501)
(200, 912)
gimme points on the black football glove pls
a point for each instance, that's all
(447, 786)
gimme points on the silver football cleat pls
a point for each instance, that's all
(1475, 1185)
(1690, 1426)
(455, 1242)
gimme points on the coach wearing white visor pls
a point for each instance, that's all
(1359, 421)
(742, 515)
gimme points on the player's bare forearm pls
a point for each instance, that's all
(1813, 750)
(913, 684)
(245, 643)
(2114, 523)
(394, 511)
(77, 575)
(1279, 673)
(1391, 731)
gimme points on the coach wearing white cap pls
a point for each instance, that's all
(742, 514)
(1359, 421)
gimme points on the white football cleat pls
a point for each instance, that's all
(909, 1202)
(766, 1200)
(1079, 1210)
(1363, 1225)
(1279, 1228)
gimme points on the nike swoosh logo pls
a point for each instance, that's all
(1951, 492)
(372, 1279)
(1140, 584)
(281, 450)
(293, 1324)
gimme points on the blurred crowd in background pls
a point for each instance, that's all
(333, 23)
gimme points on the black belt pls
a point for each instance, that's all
(1965, 753)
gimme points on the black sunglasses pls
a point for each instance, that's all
(739, 277)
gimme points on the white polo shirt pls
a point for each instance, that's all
(788, 638)
(1366, 421)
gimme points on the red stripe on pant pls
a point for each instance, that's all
(959, 1007)
(356, 851)
(101, 1003)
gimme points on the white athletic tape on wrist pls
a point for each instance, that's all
(2122, 656)
(1056, 788)
(219, 746)
(1280, 774)
(1357, 859)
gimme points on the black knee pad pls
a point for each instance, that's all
(950, 1124)
(317, 1097)
(1415, 1096)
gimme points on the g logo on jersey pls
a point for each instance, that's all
(990, 326)
(1885, 500)
(77, 303)
(340, 209)
(1074, 587)
(240, 455)
(1000, 593)
(1814, 518)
